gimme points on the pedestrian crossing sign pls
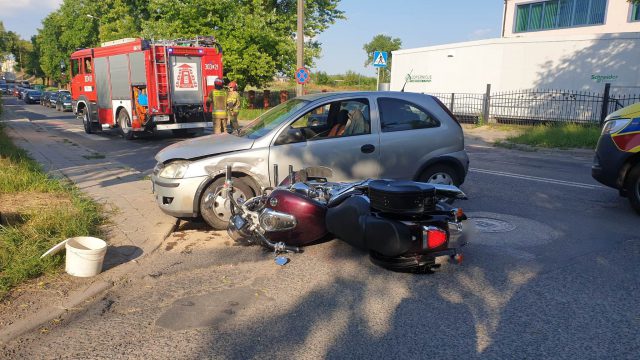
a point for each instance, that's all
(379, 58)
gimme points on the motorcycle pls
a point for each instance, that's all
(405, 225)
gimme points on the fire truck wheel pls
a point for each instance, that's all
(124, 122)
(214, 208)
(86, 122)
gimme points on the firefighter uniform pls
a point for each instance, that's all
(233, 107)
(218, 100)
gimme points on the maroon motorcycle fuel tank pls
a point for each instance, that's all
(309, 214)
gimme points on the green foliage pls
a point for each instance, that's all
(44, 212)
(321, 78)
(257, 35)
(351, 78)
(559, 136)
(382, 43)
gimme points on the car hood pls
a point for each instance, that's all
(204, 146)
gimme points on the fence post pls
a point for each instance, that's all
(605, 103)
(453, 95)
(266, 97)
(486, 104)
(252, 99)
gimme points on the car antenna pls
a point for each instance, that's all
(406, 79)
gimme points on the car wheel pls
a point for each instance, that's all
(214, 208)
(57, 107)
(633, 188)
(440, 174)
(124, 122)
(86, 122)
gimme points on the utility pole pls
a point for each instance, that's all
(300, 43)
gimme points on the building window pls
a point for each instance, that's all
(635, 12)
(555, 14)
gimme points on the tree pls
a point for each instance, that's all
(33, 59)
(257, 36)
(382, 43)
(63, 32)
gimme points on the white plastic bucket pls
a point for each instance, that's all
(85, 255)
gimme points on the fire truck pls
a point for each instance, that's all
(136, 85)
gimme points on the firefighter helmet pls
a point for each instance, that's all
(218, 83)
(233, 85)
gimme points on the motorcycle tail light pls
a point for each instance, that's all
(433, 237)
(272, 220)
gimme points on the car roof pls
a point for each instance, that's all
(329, 95)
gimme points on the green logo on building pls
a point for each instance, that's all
(418, 78)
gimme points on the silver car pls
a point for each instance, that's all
(392, 135)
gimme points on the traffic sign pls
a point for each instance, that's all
(302, 75)
(380, 59)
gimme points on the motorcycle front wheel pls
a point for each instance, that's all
(215, 209)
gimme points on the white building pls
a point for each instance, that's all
(551, 44)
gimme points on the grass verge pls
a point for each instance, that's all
(563, 136)
(36, 212)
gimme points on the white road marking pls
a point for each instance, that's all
(538, 179)
(480, 146)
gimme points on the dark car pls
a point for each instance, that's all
(63, 103)
(53, 98)
(32, 96)
(617, 160)
(4, 88)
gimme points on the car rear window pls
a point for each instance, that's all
(401, 115)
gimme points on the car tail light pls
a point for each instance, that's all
(433, 237)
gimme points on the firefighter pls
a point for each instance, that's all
(218, 101)
(233, 105)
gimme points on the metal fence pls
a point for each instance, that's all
(539, 106)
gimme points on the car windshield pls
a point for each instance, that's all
(66, 97)
(271, 119)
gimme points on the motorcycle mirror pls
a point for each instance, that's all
(281, 260)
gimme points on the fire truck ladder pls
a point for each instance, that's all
(160, 60)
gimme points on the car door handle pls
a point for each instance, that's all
(367, 148)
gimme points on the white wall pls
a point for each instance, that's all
(571, 62)
(616, 21)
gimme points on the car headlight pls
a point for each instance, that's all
(174, 170)
(613, 126)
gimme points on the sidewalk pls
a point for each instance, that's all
(136, 226)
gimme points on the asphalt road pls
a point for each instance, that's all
(551, 273)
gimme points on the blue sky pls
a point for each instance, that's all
(416, 22)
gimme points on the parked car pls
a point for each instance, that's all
(393, 135)
(32, 96)
(617, 160)
(53, 98)
(63, 103)
(4, 88)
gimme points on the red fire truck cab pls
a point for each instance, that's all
(136, 85)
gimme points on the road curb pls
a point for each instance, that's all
(68, 162)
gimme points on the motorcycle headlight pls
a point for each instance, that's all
(272, 220)
(174, 170)
(613, 126)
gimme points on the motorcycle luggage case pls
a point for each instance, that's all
(402, 197)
